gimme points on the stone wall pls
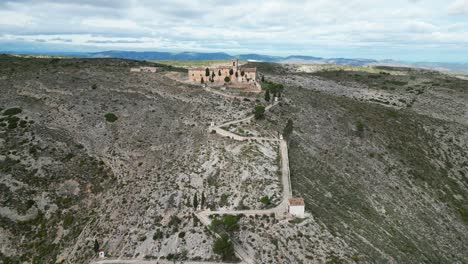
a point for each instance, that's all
(250, 75)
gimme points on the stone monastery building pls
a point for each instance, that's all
(241, 76)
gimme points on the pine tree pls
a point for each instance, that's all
(195, 201)
(288, 129)
(203, 199)
(231, 72)
(237, 74)
(267, 95)
(202, 80)
(213, 75)
(96, 246)
(207, 72)
(219, 73)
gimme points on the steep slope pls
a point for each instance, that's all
(390, 180)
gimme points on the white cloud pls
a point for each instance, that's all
(11, 18)
(279, 26)
(459, 7)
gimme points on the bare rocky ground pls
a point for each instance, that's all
(385, 181)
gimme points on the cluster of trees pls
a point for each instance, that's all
(202, 202)
(271, 88)
(210, 76)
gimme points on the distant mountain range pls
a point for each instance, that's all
(153, 55)
(457, 68)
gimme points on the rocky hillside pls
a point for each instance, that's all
(95, 157)
(382, 159)
(92, 153)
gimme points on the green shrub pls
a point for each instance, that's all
(12, 125)
(175, 221)
(224, 199)
(360, 127)
(23, 123)
(12, 111)
(68, 220)
(157, 235)
(259, 111)
(227, 79)
(265, 200)
(110, 117)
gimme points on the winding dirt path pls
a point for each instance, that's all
(281, 210)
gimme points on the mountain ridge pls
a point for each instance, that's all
(456, 68)
(461, 68)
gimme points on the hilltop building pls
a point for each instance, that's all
(241, 77)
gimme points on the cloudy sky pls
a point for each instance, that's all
(412, 30)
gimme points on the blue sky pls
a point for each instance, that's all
(410, 30)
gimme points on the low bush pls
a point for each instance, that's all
(265, 200)
(110, 117)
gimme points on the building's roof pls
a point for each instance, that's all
(296, 201)
(249, 69)
(224, 67)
